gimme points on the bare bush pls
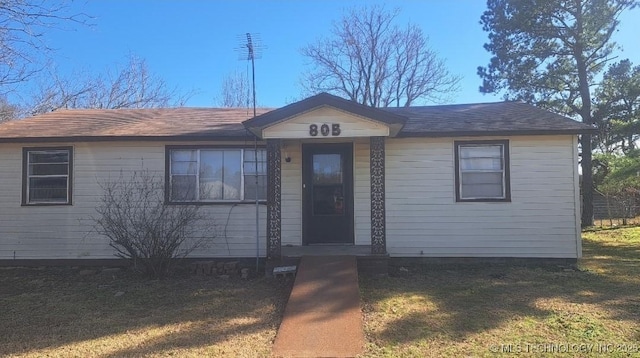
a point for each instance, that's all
(133, 215)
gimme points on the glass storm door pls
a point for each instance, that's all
(327, 185)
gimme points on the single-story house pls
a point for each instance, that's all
(490, 180)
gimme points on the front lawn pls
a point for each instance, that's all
(58, 312)
(476, 312)
(439, 313)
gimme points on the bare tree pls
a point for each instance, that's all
(23, 25)
(130, 86)
(8, 111)
(235, 91)
(370, 60)
(141, 228)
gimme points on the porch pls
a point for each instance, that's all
(303, 220)
(325, 178)
(367, 262)
(326, 250)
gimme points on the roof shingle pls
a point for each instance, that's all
(227, 123)
(484, 119)
(131, 123)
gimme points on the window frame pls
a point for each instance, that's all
(506, 176)
(25, 175)
(167, 170)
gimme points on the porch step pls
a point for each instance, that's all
(322, 317)
(371, 265)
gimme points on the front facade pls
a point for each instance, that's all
(445, 181)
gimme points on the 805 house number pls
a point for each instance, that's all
(324, 130)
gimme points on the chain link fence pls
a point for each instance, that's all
(622, 209)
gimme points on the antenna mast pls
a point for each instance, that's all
(250, 51)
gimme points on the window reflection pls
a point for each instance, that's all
(328, 191)
(327, 169)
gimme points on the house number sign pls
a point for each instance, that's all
(324, 130)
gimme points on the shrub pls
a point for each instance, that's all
(133, 215)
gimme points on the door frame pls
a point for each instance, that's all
(347, 148)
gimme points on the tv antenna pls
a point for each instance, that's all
(250, 49)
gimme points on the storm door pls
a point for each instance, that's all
(327, 185)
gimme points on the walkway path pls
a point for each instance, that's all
(322, 317)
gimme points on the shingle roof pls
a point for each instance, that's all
(501, 118)
(484, 119)
(178, 123)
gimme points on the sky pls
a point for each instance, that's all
(192, 44)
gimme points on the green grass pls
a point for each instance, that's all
(57, 312)
(472, 312)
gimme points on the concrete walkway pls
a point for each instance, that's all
(322, 317)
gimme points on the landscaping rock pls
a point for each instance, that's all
(244, 273)
(204, 267)
(220, 267)
(231, 267)
(111, 270)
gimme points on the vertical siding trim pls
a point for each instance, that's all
(274, 198)
(378, 211)
(576, 202)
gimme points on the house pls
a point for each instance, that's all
(493, 180)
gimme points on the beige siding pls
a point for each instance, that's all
(423, 218)
(576, 199)
(362, 193)
(350, 125)
(35, 232)
(292, 194)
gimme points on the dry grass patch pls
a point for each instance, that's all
(475, 311)
(56, 312)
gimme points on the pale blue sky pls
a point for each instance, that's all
(191, 44)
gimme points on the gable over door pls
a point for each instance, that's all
(338, 124)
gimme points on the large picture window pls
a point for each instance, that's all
(47, 176)
(216, 174)
(482, 171)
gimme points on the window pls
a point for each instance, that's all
(216, 174)
(482, 171)
(46, 176)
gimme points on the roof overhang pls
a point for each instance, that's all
(524, 132)
(325, 115)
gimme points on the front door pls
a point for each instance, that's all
(327, 185)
